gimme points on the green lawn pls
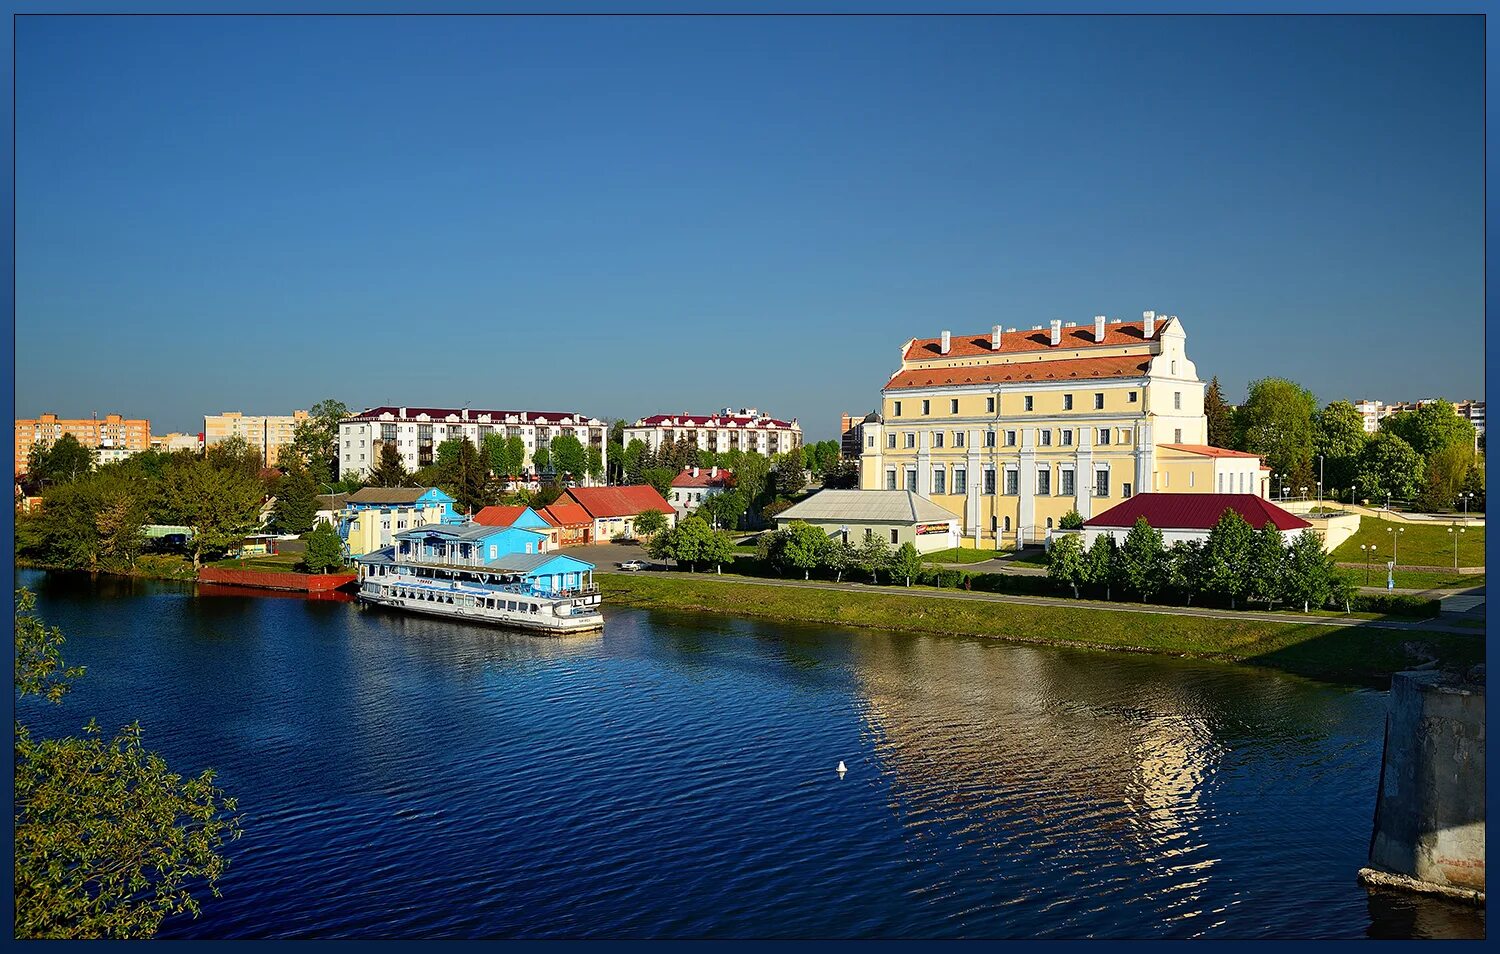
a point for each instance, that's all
(1346, 653)
(1415, 579)
(277, 563)
(962, 555)
(1420, 545)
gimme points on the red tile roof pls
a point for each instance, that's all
(711, 420)
(704, 478)
(499, 516)
(619, 501)
(1208, 451)
(1075, 369)
(564, 514)
(1166, 511)
(440, 415)
(1011, 342)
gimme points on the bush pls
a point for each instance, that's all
(1395, 604)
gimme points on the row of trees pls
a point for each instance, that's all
(1426, 455)
(1236, 563)
(689, 543)
(803, 547)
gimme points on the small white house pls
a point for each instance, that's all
(895, 516)
(695, 485)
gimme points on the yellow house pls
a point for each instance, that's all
(1011, 430)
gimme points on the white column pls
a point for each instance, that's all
(1083, 473)
(924, 463)
(1026, 482)
(975, 477)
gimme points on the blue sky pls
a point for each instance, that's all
(629, 216)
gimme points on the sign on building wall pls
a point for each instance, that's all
(925, 528)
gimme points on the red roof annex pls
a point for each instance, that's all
(564, 514)
(499, 516)
(1166, 511)
(619, 501)
(706, 477)
(1207, 451)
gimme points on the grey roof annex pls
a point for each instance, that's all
(867, 506)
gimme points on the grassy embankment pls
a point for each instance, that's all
(962, 555)
(1365, 655)
(1419, 545)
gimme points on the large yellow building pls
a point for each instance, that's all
(1013, 429)
(113, 433)
(266, 433)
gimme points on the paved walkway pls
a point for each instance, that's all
(1432, 625)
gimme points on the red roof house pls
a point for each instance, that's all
(1189, 516)
(614, 509)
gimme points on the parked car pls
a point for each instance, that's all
(631, 565)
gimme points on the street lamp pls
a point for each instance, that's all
(1369, 551)
(1282, 478)
(1456, 535)
(1395, 533)
(1302, 491)
(1466, 495)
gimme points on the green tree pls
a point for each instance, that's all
(1220, 422)
(840, 557)
(1474, 486)
(690, 539)
(1430, 427)
(219, 505)
(595, 465)
(1227, 557)
(874, 556)
(826, 456)
(1447, 469)
(1276, 422)
(718, 549)
(723, 508)
(316, 439)
(541, 460)
(1389, 467)
(1184, 568)
(648, 523)
(1101, 565)
(569, 456)
(1065, 561)
(296, 500)
(842, 475)
(630, 461)
(1268, 566)
(803, 547)
(389, 470)
(752, 473)
(61, 461)
(906, 562)
(234, 453)
(1339, 436)
(1141, 560)
(659, 478)
(108, 842)
(1311, 574)
(465, 474)
(325, 550)
(120, 520)
(787, 476)
(1072, 520)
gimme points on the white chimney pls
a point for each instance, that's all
(713, 471)
(1098, 327)
(995, 338)
(695, 472)
(403, 412)
(1056, 331)
(1148, 323)
(946, 340)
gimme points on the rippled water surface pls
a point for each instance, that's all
(674, 777)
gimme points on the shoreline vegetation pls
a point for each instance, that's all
(1365, 655)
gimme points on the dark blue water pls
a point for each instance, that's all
(674, 777)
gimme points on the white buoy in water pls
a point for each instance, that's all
(842, 770)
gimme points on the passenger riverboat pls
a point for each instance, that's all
(483, 574)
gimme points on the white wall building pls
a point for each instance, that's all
(417, 432)
(746, 429)
(694, 485)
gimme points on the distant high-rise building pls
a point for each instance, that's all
(110, 436)
(745, 429)
(266, 433)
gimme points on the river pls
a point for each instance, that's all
(675, 777)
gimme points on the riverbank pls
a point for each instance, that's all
(1366, 653)
(150, 566)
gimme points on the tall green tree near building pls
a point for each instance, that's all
(296, 500)
(316, 439)
(1227, 558)
(1101, 564)
(1389, 467)
(718, 549)
(1141, 559)
(1339, 436)
(219, 504)
(630, 461)
(1220, 419)
(803, 547)
(1446, 471)
(1310, 576)
(1065, 561)
(723, 509)
(787, 476)
(1276, 422)
(390, 469)
(1268, 566)
(59, 461)
(569, 457)
(659, 478)
(465, 475)
(325, 549)
(690, 541)
(595, 466)
(1430, 427)
(874, 556)
(120, 520)
(906, 562)
(109, 842)
(541, 460)
(649, 523)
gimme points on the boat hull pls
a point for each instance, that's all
(585, 619)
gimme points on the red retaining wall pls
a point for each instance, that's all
(264, 579)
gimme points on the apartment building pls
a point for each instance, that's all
(852, 433)
(173, 442)
(417, 431)
(1373, 412)
(112, 433)
(1011, 430)
(267, 433)
(745, 429)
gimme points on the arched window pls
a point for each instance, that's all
(1007, 525)
(1049, 523)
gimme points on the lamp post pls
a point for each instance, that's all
(1302, 492)
(1369, 551)
(1466, 495)
(1456, 534)
(1282, 478)
(1395, 533)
